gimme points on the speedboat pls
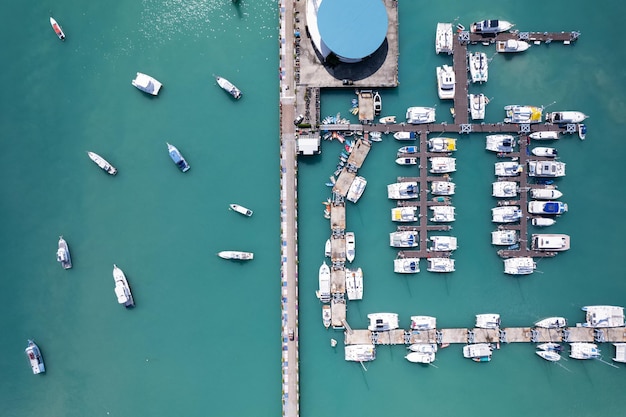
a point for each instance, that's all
(178, 158)
(487, 321)
(542, 221)
(506, 214)
(63, 254)
(443, 243)
(423, 323)
(478, 352)
(403, 214)
(523, 265)
(406, 265)
(423, 347)
(354, 283)
(545, 193)
(500, 143)
(508, 169)
(604, 316)
(57, 28)
(327, 248)
(228, 87)
(410, 160)
(387, 120)
(554, 347)
(546, 169)
(504, 237)
(551, 323)
(419, 115)
(442, 164)
(445, 82)
(512, 45)
(407, 149)
(378, 103)
(324, 283)
(122, 289)
(442, 214)
(504, 189)
(326, 315)
(523, 114)
(404, 239)
(382, 321)
(547, 207)
(350, 246)
(565, 117)
(34, 357)
(236, 255)
(444, 38)
(442, 188)
(582, 131)
(405, 136)
(240, 209)
(442, 144)
(147, 84)
(420, 357)
(403, 190)
(490, 26)
(356, 189)
(584, 351)
(549, 242)
(440, 265)
(360, 353)
(375, 136)
(549, 355)
(545, 135)
(478, 67)
(545, 151)
(477, 105)
(102, 163)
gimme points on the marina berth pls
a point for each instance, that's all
(420, 115)
(420, 357)
(404, 239)
(477, 106)
(565, 117)
(549, 355)
(240, 209)
(360, 353)
(442, 144)
(504, 189)
(381, 322)
(508, 169)
(147, 84)
(356, 189)
(423, 323)
(178, 158)
(442, 164)
(102, 163)
(547, 207)
(444, 39)
(487, 321)
(404, 214)
(545, 152)
(500, 143)
(440, 265)
(542, 221)
(407, 149)
(545, 193)
(547, 169)
(504, 237)
(544, 135)
(122, 289)
(406, 160)
(506, 214)
(405, 136)
(35, 358)
(603, 316)
(445, 82)
(551, 323)
(490, 26)
(478, 352)
(550, 242)
(442, 188)
(57, 28)
(387, 120)
(350, 246)
(402, 190)
(327, 315)
(478, 65)
(584, 351)
(523, 114)
(443, 243)
(406, 265)
(228, 87)
(511, 45)
(236, 255)
(324, 283)
(442, 214)
(354, 284)
(523, 265)
(63, 254)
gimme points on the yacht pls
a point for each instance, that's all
(478, 352)
(552, 323)
(523, 114)
(178, 158)
(420, 357)
(378, 104)
(442, 164)
(550, 242)
(565, 117)
(147, 84)
(478, 67)
(545, 193)
(240, 209)
(506, 214)
(523, 265)
(406, 160)
(440, 265)
(387, 120)
(442, 214)
(490, 26)
(236, 255)
(327, 249)
(405, 136)
(122, 289)
(406, 265)
(604, 316)
(504, 189)
(228, 87)
(423, 323)
(549, 355)
(584, 351)
(500, 143)
(102, 163)
(548, 169)
(356, 189)
(545, 151)
(477, 105)
(487, 321)
(544, 135)
(547, 207)
(419, 115)
(360, 353)
(504, 237)
(554, 347)
(508, 169)
(327, 315)
(404, 214)
(324, 283)
(34, 357)
(63, 254)
(402, 190)
(445, 82)
(57, 28)
(442, 144)
(444, 39)
(407, 149)
(382, 321)
(443, 243)
(542, 221)
(350, 246)
(354, 283)
(442, 188)
(404, 239)
(512, 45)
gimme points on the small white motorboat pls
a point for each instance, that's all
(565, 117)
(490, 26)
(545, 193)
(405, 136)
(407, 161)
(582, 131)
(378, 103)
(34, 357)
(555, 347)
(326, 315)
(240, 209)
(350, 246)
(545, 151)
(511, 45)
(549, 355)
(122, 289)
(388, 120)
(178, 158)
(542, 221)
(236, 255)
(102, 163)
(57, 28)
(552, 323)
(544, 135)
(63, 254)
(147, 84)
(228, 87)
(327, 249)
(446, 82)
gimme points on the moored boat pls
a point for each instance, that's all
(420, 357)
(236, 255)
(102, 163)
(410, 160)
(442, 164)
(405, 136)
(477, 106)
(354, 283)
(407, 149)
(147, 84)
(122, 289)
(547, 207)
(178, 158)
(478, 352)
(443, 243)
(423, 323)
(603, 316)
(444, 38)
(545, 193)
(542, 221)
(582, 131)
(327, 248)
(228, 87)
(35, 358)
(504, 189)
(511, 45)
(404, 239)
(356, 189)
(440, 265)
(504, 237)
(523, 114)
(522, 265)
(545, 151)
(382, 321)
(544, 135)
(478, 66)
(240, 209)
(565, 117)
(326, 315)
(549, 355)
(63, 254)
(549, 169)
(378, 104)
(442, 144)
(57, 28)
(487, 321)
(442, 188)
(550, 242)
(406, 265)
(500, 143)
(555, 347)
(350, 246)
(583, 351)
(360, 353)
(403, 190)
(442, 214)
(506, 214)
(508, 169)
(490, 26)
(403, 214)
(552, 323)
(387, 120)
(324, 283)
(420, 115)
(446, 82)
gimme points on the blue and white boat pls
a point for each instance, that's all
(404, 239)
(63, 254)
(407, 149)
(547, 207)
(35, 358)
(178, 158)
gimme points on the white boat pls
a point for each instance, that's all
(549, 169)
(603, 316)
(552, 323)
(420, 357)
(57, 28)
(63, 254)
(549, 242)
(378, 104)
(102, 163)
(35, 358)
(407, 149)
(404, 239)
(326, 315)
(423, 347)
(620, 352)
(545, 193)
(443, 243)
(545, 151)
(544, 135)
(504, 189)
(478, 67)
(441, 144)
(547, 207)
(405, 136)
(360, 353)
(500, 143)
(241, 209)
(442, 188)
(444, 39)
(440, 265)
(442, 214)
(354, 283)
(376, 136)
(512, 45)
(554, 347)
(403, 214)
(382, 321)
(442, 164)
(582, 131)
(504, 237)
(549, 355)
(406, 265)
(445, 82)
(490, 26)
(387, 120)
(565, 117)
(324, 283)
(122, 289)
(508, 169)
(403, 190)
(407, 160)
(523, 114)
(523, 265)
(584, 351)
(423, 323)
(178, 158)
(228, 87)
(478, 352)
(542, 221)
(356, 189)
(236, 255)
(487, 321)
(147, 84)
(350, 246)
(419, 115)
(506, 214)
(477, 106)
(327, 249)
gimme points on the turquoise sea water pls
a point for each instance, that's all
(204, 338)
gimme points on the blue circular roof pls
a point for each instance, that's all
(352, 29)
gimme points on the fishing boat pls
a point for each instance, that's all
(404, 239)
(420, 357)
(445, 82)
(443, 243)
(442, 214)
(442, 144)
(236, 255)
(508, 169)
(327, 249)
(440, 265)
(122, 289)
(360, 353)
(443, 38)
(350, 246)
(504, 189)
(504, 237)
(506, 214)
(228, 87)
(546, 169)
(387, 120)
(522, 265)
(549, 355)
(57, 28)
(404, 214)
(147, 84)
(478, 66)
(549, 242)
(552, 323)
(565, 117)
(382, 321)
(542, 221)
(326, 315)
(584, 351)
(35, 358)
(545, 151)
(555, 347)
(487, 321)
(545, 193)
(442, 188)
(406, 265)
(178, 158)
(102, 163)
(405, 136)
(63, 254)
(410, 160)
(442, 164)
(523, 114)
(324, 283)
(547, 207)
(240, 209)
(420, 115)
(477, 105)
(490, 26)
(378, 103)
(403, 190)
(354, 283)
(356, 189)
(423, 323)
(500, 143)
(407, 150)
(603, 316)
(545, 135)
(478, 352)
(582, 131)
(511, 45)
